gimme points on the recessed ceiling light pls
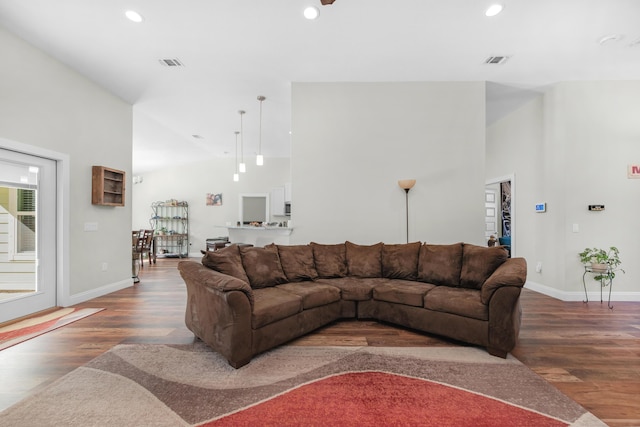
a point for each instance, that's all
(494, 9)
(133, 16)
(311, 12)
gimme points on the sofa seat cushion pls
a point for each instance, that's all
(404, 292)
(354, 288)
(273, 304)
(312, 294)
(460, 301)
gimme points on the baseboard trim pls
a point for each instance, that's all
(98, 292)
(579, 295)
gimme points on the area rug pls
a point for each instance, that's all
(24, 330)
(190, 385)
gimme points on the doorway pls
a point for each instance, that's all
(28, 252)
(501, 222)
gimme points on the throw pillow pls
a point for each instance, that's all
(440, 264)
(364, 261)
(478, 262)
(401, 261)
(262, 266)
(226, 261)
(297, 262)
(330, 260)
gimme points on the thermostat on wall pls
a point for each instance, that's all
(541, 207)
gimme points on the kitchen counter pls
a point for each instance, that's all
(259, 236)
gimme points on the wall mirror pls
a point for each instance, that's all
(254, 207)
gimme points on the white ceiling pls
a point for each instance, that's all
(235, 50)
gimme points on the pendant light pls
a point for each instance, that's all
(236, 175)
(260, 158)
(242, 166)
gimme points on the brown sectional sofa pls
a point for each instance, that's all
(243, 301)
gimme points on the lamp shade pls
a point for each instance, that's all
(407, 184)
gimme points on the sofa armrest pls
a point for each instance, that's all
(219, 311)
(513, 272)
(192, 271)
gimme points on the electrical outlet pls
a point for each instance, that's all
(539, 267)
(105, 266)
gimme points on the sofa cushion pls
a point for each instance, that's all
(330, 260)
(313, 294)
(406, 292)
(273, 304)
(478, 262)
(364, 261)
(460, 301)
(400, 261)
(354, 288)
(440, 264)
(226, 261)
(297, 262)
(262, 266)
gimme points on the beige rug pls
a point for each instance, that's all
(187, 385)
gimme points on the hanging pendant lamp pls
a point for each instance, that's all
(259, 157)
(242, 167)
(236, 175)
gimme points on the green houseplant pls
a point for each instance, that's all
(601, 261)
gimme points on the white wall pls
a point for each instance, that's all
(192, 182)
(571, 149)
(45, 104)
(351, 144)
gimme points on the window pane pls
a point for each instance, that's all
(26, 233)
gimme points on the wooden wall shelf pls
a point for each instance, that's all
(108, 186)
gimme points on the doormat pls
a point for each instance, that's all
(24, 330)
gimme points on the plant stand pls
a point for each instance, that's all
(603, 282)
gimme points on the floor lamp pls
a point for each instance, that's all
(406, 185)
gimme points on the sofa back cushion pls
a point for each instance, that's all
(262, 266)
(400, 261)
(440, 264)
(330, 260)
(364, 261)
(226, 261)
(478, 262)
(297, 262)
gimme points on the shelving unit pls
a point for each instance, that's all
(170, 222)
(107, 186)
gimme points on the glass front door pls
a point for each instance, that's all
(27, 234)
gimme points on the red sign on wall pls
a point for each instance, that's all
(633, 171)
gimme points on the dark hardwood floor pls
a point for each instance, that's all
(590, 353)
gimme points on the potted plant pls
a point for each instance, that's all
(601, 261)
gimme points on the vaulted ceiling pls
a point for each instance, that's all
(232, 51)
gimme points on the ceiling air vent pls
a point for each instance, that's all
(496, 60)
(171, 62)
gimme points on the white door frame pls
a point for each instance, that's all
(62, 211)
(511, 177)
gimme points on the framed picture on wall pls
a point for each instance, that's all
(214, 199)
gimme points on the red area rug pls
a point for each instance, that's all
(24, 330)
(381, 399)
(189, 385)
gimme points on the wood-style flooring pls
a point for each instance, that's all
(590, 353)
